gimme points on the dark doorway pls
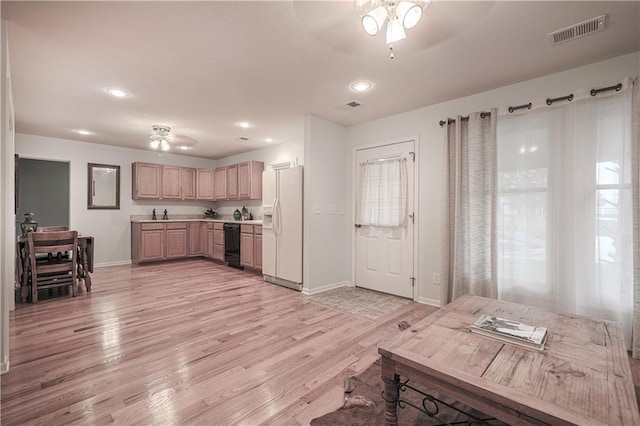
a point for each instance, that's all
(43, 189)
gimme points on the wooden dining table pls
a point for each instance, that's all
(85, 262)
(582, 377)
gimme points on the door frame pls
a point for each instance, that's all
(56, 160)
(416, 204)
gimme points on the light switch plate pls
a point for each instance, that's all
(317, 209)
(332, 209)
(436, 278)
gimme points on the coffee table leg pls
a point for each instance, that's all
(391, 389)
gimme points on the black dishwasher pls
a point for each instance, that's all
(232, 244)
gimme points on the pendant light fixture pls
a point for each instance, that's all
(399, 14)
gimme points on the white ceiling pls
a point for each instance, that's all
(200, 67)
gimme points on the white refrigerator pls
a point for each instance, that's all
(282, 227)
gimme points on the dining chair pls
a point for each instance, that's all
(58, 272)
(53, 229)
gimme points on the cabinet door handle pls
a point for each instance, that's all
(358, 225)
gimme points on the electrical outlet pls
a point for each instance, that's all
(332, 209)
(436, 278)
(317, 209)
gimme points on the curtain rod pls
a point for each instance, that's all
(617, 88)
(466, 118)
(515, 108)
(569, 97)
(397, 157)
(549, 101)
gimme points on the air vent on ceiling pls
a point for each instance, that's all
(582, 29)
(353, 104)
(242, 138)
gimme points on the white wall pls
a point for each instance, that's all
(424, 123)
(327, 251)
(286, 151)
(110, 228)
(7, 216)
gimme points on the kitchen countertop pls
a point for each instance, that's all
(246, 222)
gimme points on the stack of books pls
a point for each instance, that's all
(510, 331)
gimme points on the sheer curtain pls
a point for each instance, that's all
(470, 237)
(382, 193)
(635, 184)
(565, 208)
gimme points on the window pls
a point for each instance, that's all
(564, 208)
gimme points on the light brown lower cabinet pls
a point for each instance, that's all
(209, 250)
(257, 249)
(218, 241)
(151, 243)
(175, 240)
(196, 239)
(251, 246)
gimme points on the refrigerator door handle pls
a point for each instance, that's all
(276, 215)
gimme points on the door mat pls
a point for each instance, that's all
(359, 301)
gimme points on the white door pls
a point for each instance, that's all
(384, 255)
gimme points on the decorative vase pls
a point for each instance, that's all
(237, 215)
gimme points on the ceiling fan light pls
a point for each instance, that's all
(409, 14)
(155, 143)
(164, 145)
(372, 21)
(395, 31)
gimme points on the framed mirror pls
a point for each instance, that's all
(103, 187)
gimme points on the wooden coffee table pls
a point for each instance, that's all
(581, 378)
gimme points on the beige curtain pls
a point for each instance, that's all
(635, 188)
(470, 193)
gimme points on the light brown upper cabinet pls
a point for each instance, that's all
(204, 184)
(158, 182)
(250, 180)
(232, 182)
(188, 183)
(146, 181)
(241, 181)
(221, 183)
(171, 183)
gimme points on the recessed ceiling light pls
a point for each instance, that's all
(184, 147)
(118, 93)
(244, 124)
(268, 140)
(83, 132)
(361, 86)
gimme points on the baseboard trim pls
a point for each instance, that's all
(4, 368)
(117, 263)
(428, 301)
(310, 292)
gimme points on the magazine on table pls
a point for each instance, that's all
(510, 331)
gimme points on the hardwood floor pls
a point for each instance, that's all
(187, 342)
